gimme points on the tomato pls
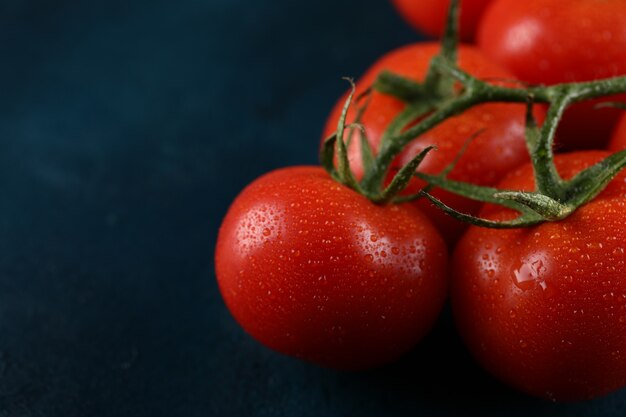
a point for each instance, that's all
(544, 308)
(554, 41)
(429, 16)
(618, 141)
(312, 269)
(502, 125)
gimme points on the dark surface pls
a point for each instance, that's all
(126, 128)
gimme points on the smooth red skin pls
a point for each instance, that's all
(429, 16)
(498, 150)
(564, 342)
(554, 41)
(314, 270)
(618, 141)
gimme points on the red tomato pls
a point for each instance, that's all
(429, 16)
(618, 142)
(312, 269)
(554, 41)
(503, 135)
(544, 308)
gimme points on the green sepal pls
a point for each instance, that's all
(343, 163)
(401, 180)
(327, 155)
(419, 195)
(471, 191)
(546, 207)
(367, 155)
(590, 182)
(525, 220)
(327, 152)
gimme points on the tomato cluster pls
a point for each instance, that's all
(314, 269)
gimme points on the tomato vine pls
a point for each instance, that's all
(449, 91)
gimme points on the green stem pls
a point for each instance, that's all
(578, 91)
(549, 181)
(435, 100)
(435, 82)
(479, 92)
(399, 87)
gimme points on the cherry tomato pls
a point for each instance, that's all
(429, 16)
(312, 269)
(618, 142)
(544, 308)
(502, 126)
(554, 41)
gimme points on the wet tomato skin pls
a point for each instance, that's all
(429, 16)
(555, 41)
(314, 270)
(502, 126)
(544, 308)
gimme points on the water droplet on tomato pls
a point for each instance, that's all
(532, 272)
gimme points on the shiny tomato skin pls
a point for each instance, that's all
(555, 41)
(429, 16)
(544, 308)
(314, 270)
(618, 141)
(502, 125)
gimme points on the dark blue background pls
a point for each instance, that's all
(126, 128)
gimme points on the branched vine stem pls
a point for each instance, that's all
(448, 91)
(477, 92)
